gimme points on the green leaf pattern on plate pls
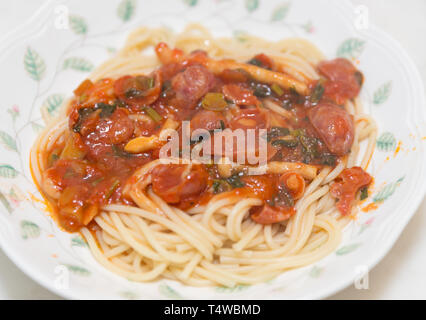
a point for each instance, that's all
(386, 142)
(7, 141)
(387, 191)
(315, 272)
(240, 35)
(251, 5)
(365, 225)
(77, 270)
(129, 295)
(52, 103)
(169, 292)
(382, 93)
(35, 67)
(7, 171)
(78, 64)
(351, 48)
(126, 9)
(34, 64)
(37, 127)
(190, 3)
(237, 288)
(78, 25)
(29, 229)
(78, 241)
(14, 112)
(5, 202)
(347, 249)
(280, 12)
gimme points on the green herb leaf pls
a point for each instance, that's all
(277, 132)
(282, 199)
(214, 101)
(364, 193)
(97, 181)
(120, 153)
(277, 89)
(220, 186)
(289, 142)
(153, 114)
(235, 181)
(255, 62)
(328, 159)
(317, 93)
(222, 125)
(111, 190)
(261, 90)
(107, 109)
(359, 77)
(83, 114)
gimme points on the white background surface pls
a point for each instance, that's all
(402, 273)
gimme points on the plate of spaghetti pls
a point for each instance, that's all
(207, 149)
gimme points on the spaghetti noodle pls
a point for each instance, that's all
(208, 224)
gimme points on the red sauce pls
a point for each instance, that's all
(92, 168)
(347, 185)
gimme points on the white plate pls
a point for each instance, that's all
(43, 61)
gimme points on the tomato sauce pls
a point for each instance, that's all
(91, 168)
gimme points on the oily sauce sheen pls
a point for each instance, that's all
(91, 167)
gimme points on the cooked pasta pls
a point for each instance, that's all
(216, 223)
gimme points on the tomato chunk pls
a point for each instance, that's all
(168, 55)
(335, 127)
(176, 183)
(239, 95)
(267, 214)
(113, 130)
(263, 187)
(262, 60)
(83, 87)
(140, 90)
(351, 180)
(192, 84)
(344, 80)
(249, 119)
(294, 183)
(208, 120)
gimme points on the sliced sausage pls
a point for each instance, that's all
(335, 127)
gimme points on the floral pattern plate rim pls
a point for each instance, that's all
(49, 55)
